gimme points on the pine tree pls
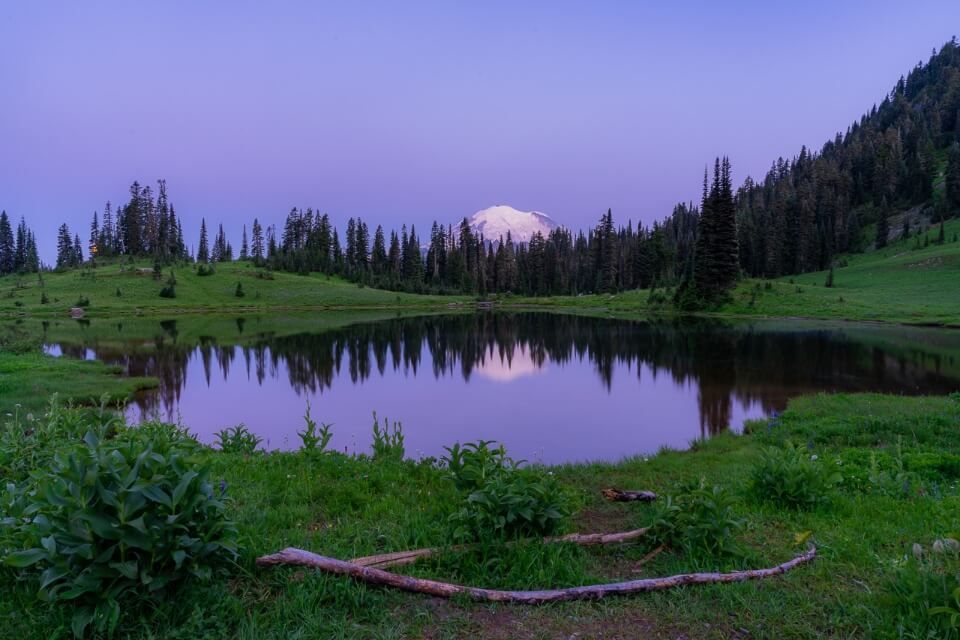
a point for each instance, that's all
(883, 225)
(257, 241)
(77, 251)
(952, 180)
(65, 255)
(203, 251)
(7, 246)
(93, 244)
(244, 249)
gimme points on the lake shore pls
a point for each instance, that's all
(858, 586)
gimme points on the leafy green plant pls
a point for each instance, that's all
(387, 440)
(237, 439)
(500, 500)
(472, 464)
(169, 291)
(314, 439)
(82, 301)
(699, 519)
(791, 476)
(112, 521)
(895, 481)
(239, 291)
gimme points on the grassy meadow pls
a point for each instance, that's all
(893, 466)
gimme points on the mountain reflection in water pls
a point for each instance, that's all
(553, 387)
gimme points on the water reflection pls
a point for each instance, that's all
(558, 385)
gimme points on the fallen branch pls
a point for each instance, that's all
(292, 556)
(398, 558)
(618, 495)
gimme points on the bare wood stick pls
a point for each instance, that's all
(292, 556)
(398, 558)
(619, 495)
(647, 558)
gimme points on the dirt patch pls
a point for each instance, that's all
(501, 622)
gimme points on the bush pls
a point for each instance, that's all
(700, 520)
(205, 270)
(44, 299)
(237, 439)
(791, 477)
(313, 439)
(113, 519)
(82, 301)
(168, 291)
(387, 441)
(500, 501)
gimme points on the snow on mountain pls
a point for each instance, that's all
(494, 223)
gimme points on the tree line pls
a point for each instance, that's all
(18, 249)
(903, 153)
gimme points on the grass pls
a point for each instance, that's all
(140, 292)
(346, 507)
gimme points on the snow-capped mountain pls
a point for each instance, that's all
(494, 223)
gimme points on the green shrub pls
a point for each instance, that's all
(82, 301)
(204, 270)
(791, 477)
(239, 291)
(312, 438)
(700, 520)
(387, 441)
(113, 520)
(237, 439)
(501, 501)
(471, 465)
(169, 291)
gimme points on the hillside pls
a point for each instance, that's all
(139, 291)
(900, 283)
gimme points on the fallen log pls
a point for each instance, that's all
(398, 558)
(618, 495)
(293, 556)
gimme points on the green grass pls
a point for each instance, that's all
(28, 379)
(140, 292)
(346, 507)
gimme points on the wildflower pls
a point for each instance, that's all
(938, 546)
(917, 550)
(814, 457)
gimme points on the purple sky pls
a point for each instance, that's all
(419, 111)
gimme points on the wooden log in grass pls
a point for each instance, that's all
(371, 575)
(619, 495)
(398, 558)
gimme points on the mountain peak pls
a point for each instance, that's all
(495, 222)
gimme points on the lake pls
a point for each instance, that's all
(553, 388)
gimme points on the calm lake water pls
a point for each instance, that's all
(553, 388)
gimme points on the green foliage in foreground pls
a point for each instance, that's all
(868, 579)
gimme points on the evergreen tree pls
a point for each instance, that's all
(7, 246)
(77, 251)
(244, 249)
(883, 225)
(93, 244)
(952, 180)
(257, 241)
(203, 251)
(65, 253)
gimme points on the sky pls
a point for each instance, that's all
(420, 111)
